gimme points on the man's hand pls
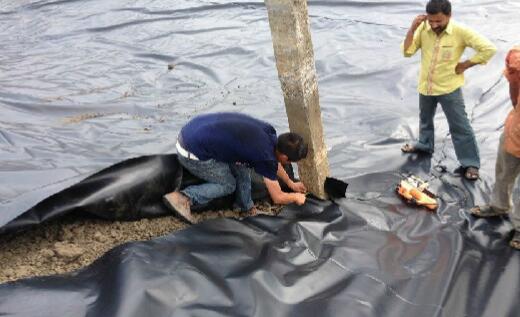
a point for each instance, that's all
(417, 21)
(409, 35)
(299, 199)
(280, 197)
(298, 187)
(461, 67)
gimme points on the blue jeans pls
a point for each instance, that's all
(461, 132)
(221, 179)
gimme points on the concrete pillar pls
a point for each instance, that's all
(289, 22)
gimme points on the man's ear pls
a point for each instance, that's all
(282, 158)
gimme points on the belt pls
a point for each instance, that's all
(183, 152)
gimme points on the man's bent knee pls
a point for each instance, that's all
(229, 188)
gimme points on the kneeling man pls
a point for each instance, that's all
(222, 148)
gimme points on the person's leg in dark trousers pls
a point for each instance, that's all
(462, 134)
(219, 178)
(243, 198)
(220, 182)
(427, 107)
(507, 169)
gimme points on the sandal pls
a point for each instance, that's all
(471, 173)
(515, 242)
(487, 211)
(408, 148)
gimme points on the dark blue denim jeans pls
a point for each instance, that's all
(221, 179)
(461, 132)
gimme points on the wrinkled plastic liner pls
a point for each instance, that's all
(129, 190)
(370, 256)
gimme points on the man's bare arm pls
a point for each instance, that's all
(280, 197)
(298, 187)
(409, 35)
(514, 92)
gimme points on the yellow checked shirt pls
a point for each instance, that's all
(441, 54)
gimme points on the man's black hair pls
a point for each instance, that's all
(292, 145)
(438, 6)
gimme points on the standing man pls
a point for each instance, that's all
(222, 148)
(507, 166)
(442, 42)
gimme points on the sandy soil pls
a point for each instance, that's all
(69, 243)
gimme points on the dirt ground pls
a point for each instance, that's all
(67, 244)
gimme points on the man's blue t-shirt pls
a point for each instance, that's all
(233, 138)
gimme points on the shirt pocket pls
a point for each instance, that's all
(448, 49)
(447, 52)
